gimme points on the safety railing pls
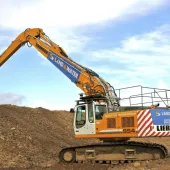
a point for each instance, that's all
(144, 96)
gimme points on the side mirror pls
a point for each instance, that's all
(71, 110)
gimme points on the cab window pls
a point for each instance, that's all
(80, 116)
(90, 113)
(99, 111)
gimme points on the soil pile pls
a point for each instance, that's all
(32, 138)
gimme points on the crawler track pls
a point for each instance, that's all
(114, 153)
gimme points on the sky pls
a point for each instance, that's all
(126, 42)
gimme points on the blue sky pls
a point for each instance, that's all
(126, 42)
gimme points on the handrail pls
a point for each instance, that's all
(149, 95)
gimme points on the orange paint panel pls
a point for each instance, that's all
(117, 124)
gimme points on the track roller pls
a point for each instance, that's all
(68, 156)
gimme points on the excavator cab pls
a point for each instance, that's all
(86, 112)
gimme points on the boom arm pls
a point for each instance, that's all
(84, 78)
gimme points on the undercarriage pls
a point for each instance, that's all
(113, 152)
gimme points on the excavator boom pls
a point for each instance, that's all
(21, 40)
(84, 78)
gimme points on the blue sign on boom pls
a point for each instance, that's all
(65, 67)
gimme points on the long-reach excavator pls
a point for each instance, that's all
(98, 113)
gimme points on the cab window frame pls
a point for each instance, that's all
(100, 116)
(91, 118)
(78, 126)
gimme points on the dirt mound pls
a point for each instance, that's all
(32, 138)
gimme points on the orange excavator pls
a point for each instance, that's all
(98, 112)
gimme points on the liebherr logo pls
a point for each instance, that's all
(163, 128)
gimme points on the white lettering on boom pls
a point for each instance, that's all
(72, 72)
(61, 64)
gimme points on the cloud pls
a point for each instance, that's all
(155, 41)
(51, 105)
(2, 49)
(70, 40)
(162, 84)
(4, 38)
(56, 13)
(11, 98)
(143, 56)
(60, 20)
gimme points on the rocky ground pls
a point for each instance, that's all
(32, 138)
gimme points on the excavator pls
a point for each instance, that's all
(98, 112)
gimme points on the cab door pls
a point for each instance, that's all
(84, 122)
